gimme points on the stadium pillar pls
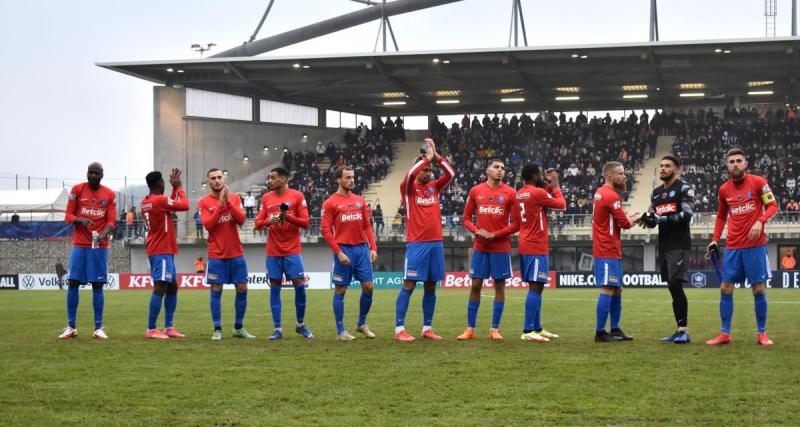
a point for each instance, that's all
(794, 18)
(322, 118)
(256, 110)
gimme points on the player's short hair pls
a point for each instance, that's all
(340, 171)
(529, 170)
(95, 165)
(672, 159)
(153, 178)
(735, 152)
(211, 170)
(495, 160)
(609, 166)
(281, 171)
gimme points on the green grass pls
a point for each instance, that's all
(130, 381)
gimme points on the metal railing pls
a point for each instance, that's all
(559, 225)
(392, 229)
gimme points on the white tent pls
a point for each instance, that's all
(34, 205)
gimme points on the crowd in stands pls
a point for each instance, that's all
(770, 140)
(575, 148)
(368, 151)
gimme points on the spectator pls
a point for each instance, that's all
(199, 265)
(198, 224)
(249, 205)
(377, 214)
(130, 222)
(788, 262)
(15, 218)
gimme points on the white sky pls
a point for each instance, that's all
(59, 112)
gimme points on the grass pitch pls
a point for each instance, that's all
(130, 381)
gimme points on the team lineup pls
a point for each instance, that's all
(494, 212)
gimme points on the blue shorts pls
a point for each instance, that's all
(424, 261)
(88, 265)
(748, 263)
(494, 265)
(360, 267)
(534, 268)
(162, 268)
(227, 270)
(608, 272)
(289, 266)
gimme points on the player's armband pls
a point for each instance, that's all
(766, 195)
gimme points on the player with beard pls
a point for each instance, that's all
(530, 215)
(347, 229)
(746, 203)
(221, 213)
(608, 221)
(92, 210)
(424, 260)
(671, 210)
(491, 204)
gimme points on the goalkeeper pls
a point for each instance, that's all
(671, 210)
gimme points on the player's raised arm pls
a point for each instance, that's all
(552, 199)
(235, 208)
(177, 202)
(619, 215)
(210, 218)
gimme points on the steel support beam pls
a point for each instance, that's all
(328, 26)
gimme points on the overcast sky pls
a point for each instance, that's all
(59, 112)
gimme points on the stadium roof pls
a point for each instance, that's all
(587, 77)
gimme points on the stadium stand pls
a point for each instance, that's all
(576, 148)
(769, 139)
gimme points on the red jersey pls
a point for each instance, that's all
(423, 209)
(608, 221)
(157, 212)
(222, 223)
(346, 221)
(99, 206)
(492, 209)
(530, 215)
(741, 204)
(284, 237)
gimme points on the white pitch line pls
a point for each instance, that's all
(642, 300)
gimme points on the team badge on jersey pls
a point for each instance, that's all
(501, 199)
(672, 193)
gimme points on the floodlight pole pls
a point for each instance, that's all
(653, 21)
(517, 19)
